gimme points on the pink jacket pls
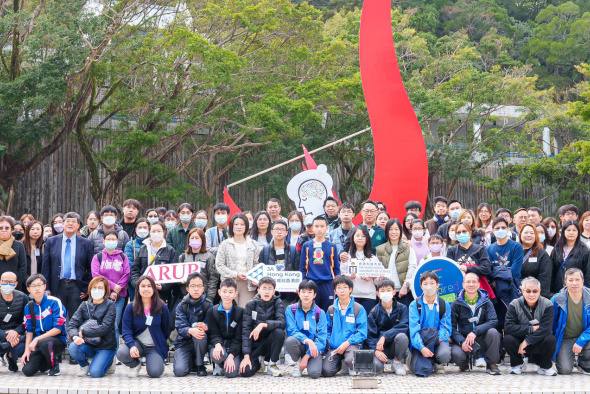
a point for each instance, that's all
(114, 267)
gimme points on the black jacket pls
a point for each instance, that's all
(16, 310)
(51, 266)
(461, 313)
(476, 254)
(380, 324)
(271, 313)
(542, 270)
(166, 255)
(268, 256)
(17, 264)
(227, 333)
(105, 314)
(519, 315)
(576, 259)
(189, 312)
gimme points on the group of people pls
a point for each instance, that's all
(82, 285)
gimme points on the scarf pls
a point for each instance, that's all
(6, 251)
(440, 221)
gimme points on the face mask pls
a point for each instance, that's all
(418, 234)
(501, 233)
(551, 231)
(429, 290)
(435, 248)
(201, 223)
(46, 235)
(541, 238)
(157, 237)
(295, 226)
(250, 223)
(453, 236)
(18, 235)
(454, 213)
(97, 294)
(108, 221)
(186, 218)
(152, 220)
(142, 233)
(386, 296)
(221, 219)
(170, 225)
(58, 227)
(463, 238)
(7, 288)
(195, 243)
(110, 245)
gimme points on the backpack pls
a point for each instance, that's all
(318, 312)
(442, 308)
(99, 257)
(356, 308)
(266, 253)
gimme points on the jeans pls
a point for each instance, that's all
(101, 359)
(46, 355)
(565, 357)
(119, 309)
(394, 349)
(189, 353)
(297, 350)
(154, 363)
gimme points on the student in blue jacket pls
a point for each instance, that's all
(45, 325)
(320, 263)
(146, 327)
(429, 310)
(307, 332)
(347, 328)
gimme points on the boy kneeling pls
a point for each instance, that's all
(308, 332)
(347, 328)
(263, 329)
(191, 323)
(225, 331)
(388, 329)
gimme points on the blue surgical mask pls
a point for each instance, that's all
(185, 218)
(153, 220)
(170, 224)
(463, 238)
(201, 223)
(110, 245)
(501, 233)
(541, 238)
(295, 226)
(454, 213)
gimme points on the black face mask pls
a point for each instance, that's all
(18, 235)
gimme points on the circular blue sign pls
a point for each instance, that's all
(449, 275)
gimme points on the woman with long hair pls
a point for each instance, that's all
(34, 247)
(553, 233)
(260, 231)
(569, 252)
(536, 262)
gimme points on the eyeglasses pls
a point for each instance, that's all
(5, 228)
(7, 282)
(529, 291)
(342, 288)
(192, 287)
(36, 286)
(279, 230)
(369, 211)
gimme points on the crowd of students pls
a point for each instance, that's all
(81, 285)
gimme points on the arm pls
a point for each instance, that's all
(279, 317)
(412, 266)
(292, 329)
(516, 266)
(124, 279)
(512, 325)
(415, 326)
(445, 328)
(361, 328)
(302, 262)
(129, 251)
(182, 322)
(399, 328)
(545, 273)
(456, 335)
(127, 326)
(165, 324)
(45, 266)
(322, 333)
(139, 266)
(483, 264)
(76, 321)
(336, 261)
(95, 267)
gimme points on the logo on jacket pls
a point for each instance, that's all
(318, 256)
(503, 260)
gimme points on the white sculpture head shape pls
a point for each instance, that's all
(309, 190)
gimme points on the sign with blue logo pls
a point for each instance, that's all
(449, 275)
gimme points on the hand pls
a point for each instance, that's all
(218, 352)
(366, 278)
(353, 276)
(535, 328)
(313, 349)
(202, 326)
(245, 363)
(117, 289)
(83, 295)
(380, 344)
(114, 296)
(381, 356)
(229, 365)
(33, 345)
(78, 341)
(577, 349)
(522, 347)
(80, 334)
(13, 337)
(426, 352)
(466, 348)
(256, 332)
(379, 279)
(25, 356)
(47, 292)
(470, 338)
(158, 286)
(196, 332)
(408, 243)
(242, 277)
(403, 291)
(344, 257)
(303, 362)
(342, 348)
(463, 268)
(134, 352)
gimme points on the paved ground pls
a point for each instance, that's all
(453, 381)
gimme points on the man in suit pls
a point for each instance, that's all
(67, 264)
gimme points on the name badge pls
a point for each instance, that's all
(474, 319)
(148, 320)
(532, 259)
(45, 313)
(233, 324)
(280, 251)
(254, 315)
(317, 244)
(534, 322)
(306, 325)
(7, 317)
(350, 319)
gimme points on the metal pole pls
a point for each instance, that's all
(298, 157)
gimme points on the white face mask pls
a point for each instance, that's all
(97, 294)
(386, 296)
(453, 236)
(551, 231)
(109, 220)
(250, 224)
(185, 218)
(221, 219)
(157, 237)
(429, 290)
(142, 232)
(7, 288)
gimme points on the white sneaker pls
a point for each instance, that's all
(398, 368)
(297, 373)
(112, 368)
(351, 372)
(518, 369)
(439, 369)
(83, 371)
(134, 372)
(288, 359)
(480, 362)
(546, 372)
(273, 370)
(218, 370)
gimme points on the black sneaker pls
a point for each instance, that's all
(73, 362)
(493, 369)
(463, 368)
(12, 365)
(54, 371)
(201, 370)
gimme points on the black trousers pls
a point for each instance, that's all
(268, 347)
(46, 355)
(69, 294)
(540, 353)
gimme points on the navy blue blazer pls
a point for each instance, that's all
(51, 266)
